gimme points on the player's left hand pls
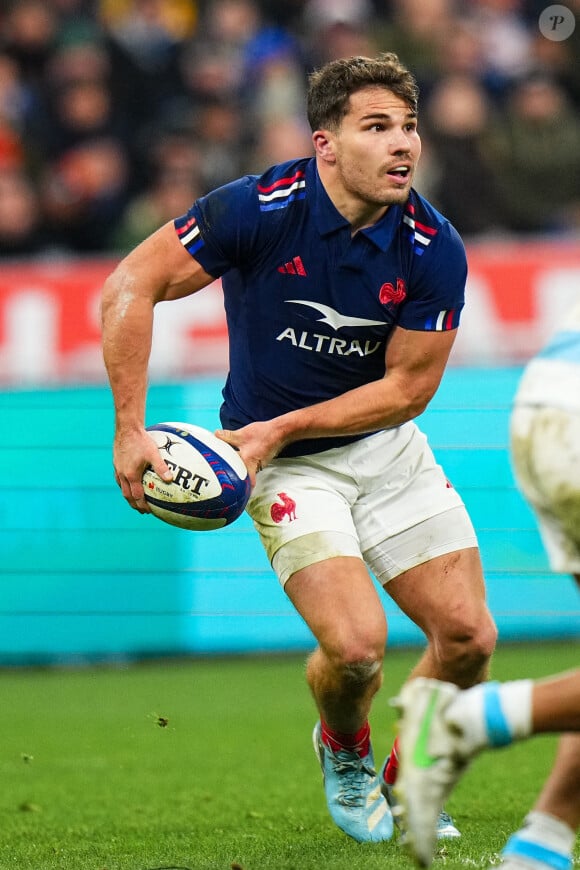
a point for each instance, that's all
(257, 444)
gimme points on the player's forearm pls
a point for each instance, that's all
(127, 326)
(378, 405)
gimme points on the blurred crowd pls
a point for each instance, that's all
(116, 114)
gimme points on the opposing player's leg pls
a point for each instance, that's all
(443, 728)
(545, 453)
(339, 602)
(546, 839)
(429, 764)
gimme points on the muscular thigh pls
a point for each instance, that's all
(444, 596)
(341, 605)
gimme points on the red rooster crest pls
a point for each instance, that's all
(286, 509)
(389, 294)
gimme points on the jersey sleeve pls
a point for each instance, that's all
(219, 230)
(436, 290)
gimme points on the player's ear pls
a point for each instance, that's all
(324, 145)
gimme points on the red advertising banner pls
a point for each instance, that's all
(517, 294)
(49, 326)
(49, 316)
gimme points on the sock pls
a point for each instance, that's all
(548, 830)
(359, 742)
(492, 714)
(392, 766)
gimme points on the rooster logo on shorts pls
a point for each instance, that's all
(286, 509)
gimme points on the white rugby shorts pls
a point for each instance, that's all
(383, 499)
(545, 448)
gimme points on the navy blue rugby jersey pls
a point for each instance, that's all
(309, 307)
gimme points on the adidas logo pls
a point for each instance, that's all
(294, 267)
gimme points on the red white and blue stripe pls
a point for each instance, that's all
(189, 234)
(282, 192)
(420, 234)
(448, 318)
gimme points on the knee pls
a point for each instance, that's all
(358, 658)
(359, 677)
(484, 637)
(465, 649)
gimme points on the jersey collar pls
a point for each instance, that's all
(329, 219)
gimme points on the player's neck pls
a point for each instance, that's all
(357, 211)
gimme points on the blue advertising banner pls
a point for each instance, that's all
(86, 578)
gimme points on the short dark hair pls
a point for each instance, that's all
(331, 86)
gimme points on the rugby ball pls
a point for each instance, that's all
(210, 486)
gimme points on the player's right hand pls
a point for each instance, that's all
(133, 452)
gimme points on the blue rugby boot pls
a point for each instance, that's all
(353, 792)
(446, 829)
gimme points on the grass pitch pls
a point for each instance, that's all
(208, 765)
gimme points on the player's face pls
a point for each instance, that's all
(377, 147)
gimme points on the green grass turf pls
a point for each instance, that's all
(94, 778)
